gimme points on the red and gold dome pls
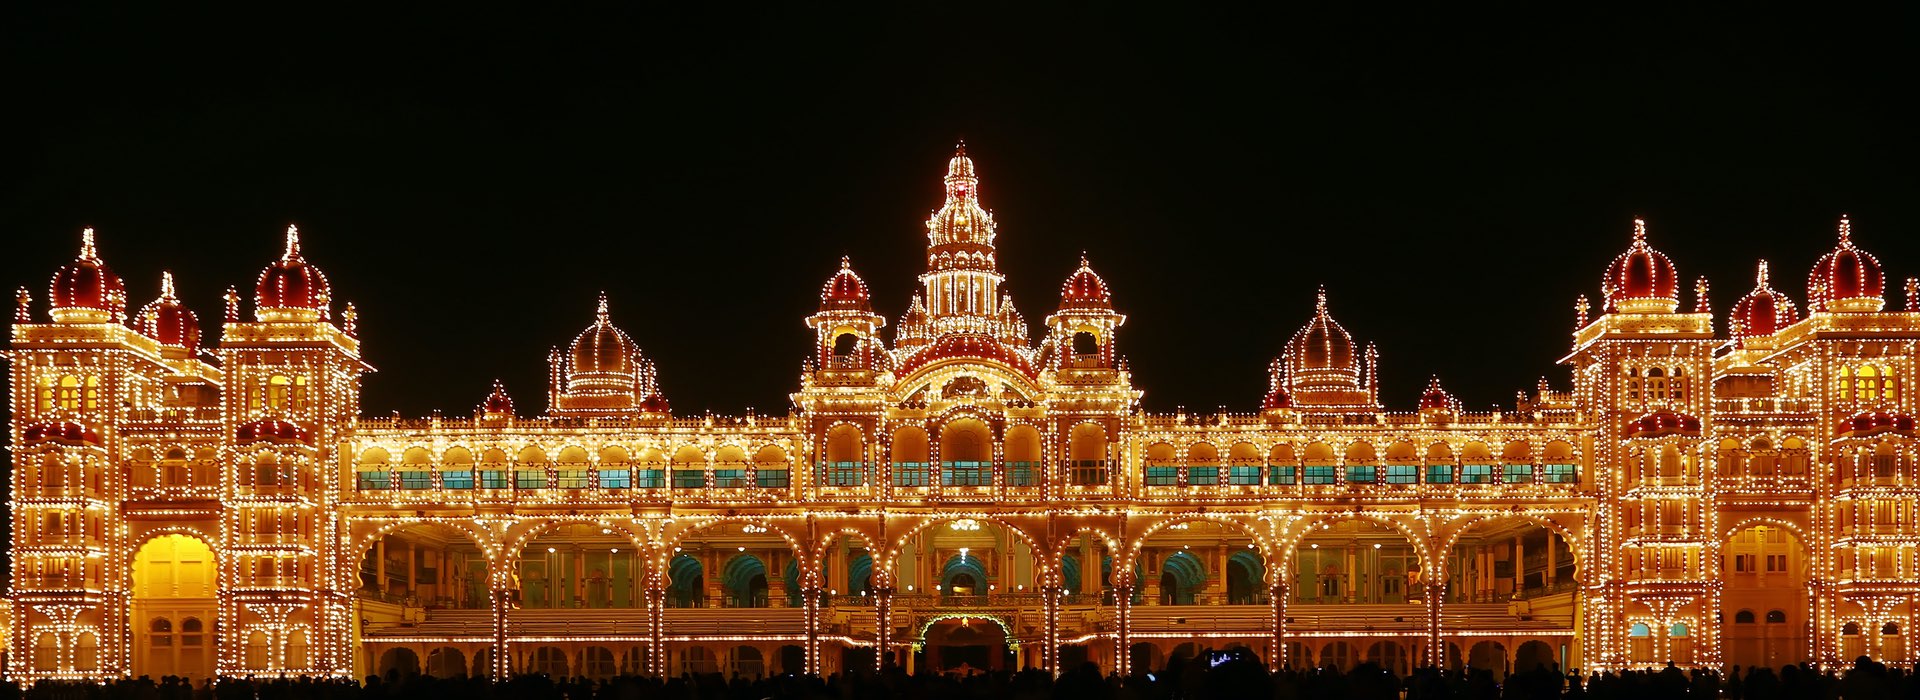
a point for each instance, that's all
(845, 291)
(1322, 346)
(1436, 398)
(1763, 311)
(1085, 290)
(966, 345)
(1872, 423)
(603, 356)
(168, 321)
(86, 291)
(290, 289)
(1847, 278)
(1641, 280)
(497, 403)
(1661, 423)
(63, 432)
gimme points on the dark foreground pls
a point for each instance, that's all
(1233, 679)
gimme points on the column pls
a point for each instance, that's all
(1050, 646)
(380, 567)
(883, 613)
(1553, 563)
(1123, 625)
(656, 600)
(502, 604)
(1217, 576)
(810, 605)
(1436, 646)
(1089, 567)
(1353, 576)
(1519, 565)
(413, 567)
(1277, 595)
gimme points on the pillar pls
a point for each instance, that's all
(413, 567)
(883, 632)
(1519, 565)
(655, 594)
(1277, 595)
(1553, 563)
(1352, 574)
(502, 661)
(1436, 646)
(1050, 598)
(1123, 626)
(1089, 567)
(380, 567)
(810, 610)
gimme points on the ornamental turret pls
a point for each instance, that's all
(604, 373)
(86, 290)
(1323, 370)
(962, 282)
(170, 323)
(1846, 279)
(1762, 312)
(1080, 334)
(846, 330)
(290, 289)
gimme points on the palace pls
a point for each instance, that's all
(960, 494)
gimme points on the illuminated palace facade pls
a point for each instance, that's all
(960, 495)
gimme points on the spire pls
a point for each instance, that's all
(1083, 261)
(23, 303)
(1700, 305)
(1639, 230)
(1580, 308)
(1913, 294)
(166, 285)
(846, 262)
(1320, 306)
(293, 243)
(233, 305)
(86, 245)
(1846, 230)
(350, 320)
(1761, 281)
(600, 312)
(960, 148)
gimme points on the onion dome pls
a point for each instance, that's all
(1085, 290)
(961, 219)
(1846, 279)
(271, 430)
(1436, 398)
(603, 357)
(1322, 345)
(86, 291)
(1662, 423)
(966, 345)
(63, 432)
(845, 291)
(1641, 280)
(290, 289)
(168, 321)
(1276, 400)
(655, 403)
(1877, 422)
(498, 403)
(1763, 311)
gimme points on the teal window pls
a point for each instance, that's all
(650, 478)
(416, 479)
(1476, 473)
(1318, 475)
(493, 478)
(966, 474)
(729, 478)
(375, 481)
(771, 478)
(1516, 473)
(572, 478)
(844, 473)
(462, 479)
(616, 479)
(689, 479)
(1560, 473)
(1278, 474)
(529, 478)
(1163, 476)
(910, 474)
(1244, 475)
(1203, 476)
(1362, 474)
(1403, 474)
(1439, 473)
(1023, 473)
(1088, 472)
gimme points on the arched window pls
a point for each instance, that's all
(279, 389)
(90, 395)
(615, 470)
(1087, 456)
(1744, 617)
(846, 462)
(1656, 383)
(1775, 617)
(1085, 345)
(68, 397)
(844, 346)
(1634, 384)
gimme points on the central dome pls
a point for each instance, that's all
(1762, 312)
(604, 357)
(85, 290)
(1323, 344)
(1641, 280)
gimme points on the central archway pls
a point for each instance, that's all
(174, 607)
(964, 644)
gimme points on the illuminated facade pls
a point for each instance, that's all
(961, 495)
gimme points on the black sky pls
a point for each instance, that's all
(472, 177)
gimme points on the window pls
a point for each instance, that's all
(374, 480)
(1776, 563)
(416, 479)
(910, 474)
(771, 478)
(1775, 617)
(615, 478)
(1088, 472)
(689, 478)
(457, 479)
(1024, 473)
(1439, 473)
(1743, 563)
(1476, 473)
(966, 473)
(529, 478)
(493, 478)
(1633, 383)
(1163, 476)
(1559, 473)
(1319, 475)
(1403, 473)
(844, 473)
(572, 478)
(1744, 617)
(69, 395)
(1244, 475)
(1280, 474)
(1516, 473)
(1203, 476)
(1363, 474)
(650, 478)
(730, 478)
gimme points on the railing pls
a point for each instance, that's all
(1768, 404)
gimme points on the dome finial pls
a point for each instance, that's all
(1639, 230)
(1846, 230)
(1320, 305)
(1083, 261)
(960, 147)
(166, 284)
(293, 243)
(600, 312)
(846, 262)
(1761, 282)
(86, 244)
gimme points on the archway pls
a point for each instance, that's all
(965, 644)
(173, 607)
(429, 565)
(1191, 562)
(1534, 654)
(1390, 655)
(1339, 654)
(1086, 569)
(447, 662)
(964, 560)
(399, 662)
(966, 453)
(1764, 568)
(1489, 656)
(753, 565)
(579, 565)
(1505, 559)
(686, 582)
(745, 582)
(747, 662)
(550, 661)
(1354, 561)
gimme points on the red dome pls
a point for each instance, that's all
(291, 289)
(1641, 273)
(168, 321)
(655, 403)
(271, 430)
(1277, 399)
(498, 402)
(65, 432)
(1846, 279)
(1435, 397)
(1085, 290)
(966, 345)
(1763, 311)
(1323, 344)
(845, 291)
(85, 290)
(603, 353)
(1661, 423)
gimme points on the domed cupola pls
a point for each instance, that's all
(1846, 279)
(1322, 368)
(1085, 290)
(603, 357)
(86, 291)
(1762, 312)
(290, 289)
(845, 291)
(170, 322)
(1642, 280)
(962, 220)
(497, 404)
(1436, 398)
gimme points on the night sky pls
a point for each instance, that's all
(472, 178)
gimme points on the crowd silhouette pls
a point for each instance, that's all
(1182, 680)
